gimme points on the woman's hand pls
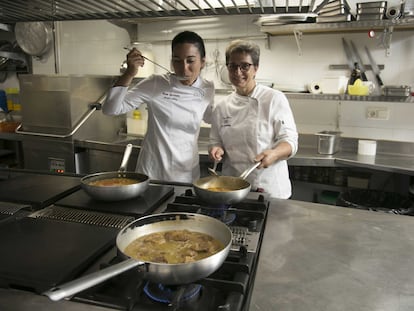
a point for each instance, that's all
(134, 61)
(216, 153)
(281, 152)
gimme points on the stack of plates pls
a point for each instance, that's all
(333, 11)
(371, 10)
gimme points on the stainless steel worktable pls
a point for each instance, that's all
(320, 257)
(314, 257)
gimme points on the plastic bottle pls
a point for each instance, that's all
(135, 124)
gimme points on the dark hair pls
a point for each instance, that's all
(190, 37)
(243, 46)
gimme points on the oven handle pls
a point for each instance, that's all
(95, 106)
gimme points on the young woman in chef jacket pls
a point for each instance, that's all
(254, 123)
(177, 103)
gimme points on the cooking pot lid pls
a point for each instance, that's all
(34, 38)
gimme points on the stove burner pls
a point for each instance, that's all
(172, 294)
(219, 212)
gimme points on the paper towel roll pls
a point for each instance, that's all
(393, 12)
(367, 147)
(315, 88)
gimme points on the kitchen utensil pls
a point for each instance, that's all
(375, 68)
(168, 274)
(238, 187)
(118, 192)
(34, 38)
(161, 66)
(349, 56)
(213, 170)
(359, 61)
(328, 142)
(396, 90)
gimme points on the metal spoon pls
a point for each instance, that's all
(161, 66)
(213, 170)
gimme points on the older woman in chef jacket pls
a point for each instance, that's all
(177, 103)
(254, 123)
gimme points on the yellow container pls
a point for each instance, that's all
(358, 88)
(13, 102)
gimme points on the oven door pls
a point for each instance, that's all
(51, 155)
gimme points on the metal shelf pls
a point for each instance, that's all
(346, 97)
(354, 26)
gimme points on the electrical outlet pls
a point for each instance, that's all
(378, 113)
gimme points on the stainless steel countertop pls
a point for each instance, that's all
(314, 257)
(394, 157)
(319, 257)
(403, 164)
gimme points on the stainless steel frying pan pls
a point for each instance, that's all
(120, 192)
(238, 188)
(168, 274)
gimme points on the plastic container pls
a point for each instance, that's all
(358, 88)
(367, 147)
(13, 102)
(328, 142)
(136, 124)
(3, 101)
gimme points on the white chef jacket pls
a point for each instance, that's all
(169, 151)
(244, 126)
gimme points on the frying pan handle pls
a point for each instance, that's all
(127, 154)
(249, 170)
(87, 281)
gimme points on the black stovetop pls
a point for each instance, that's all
(228, 288)
(136, 207)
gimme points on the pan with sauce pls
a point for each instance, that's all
(110, 182)
(173, 247)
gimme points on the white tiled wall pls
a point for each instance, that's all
(96, 47)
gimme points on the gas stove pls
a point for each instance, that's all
(228, 288)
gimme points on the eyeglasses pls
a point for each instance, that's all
(244, 67)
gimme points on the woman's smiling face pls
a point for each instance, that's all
(242, 72)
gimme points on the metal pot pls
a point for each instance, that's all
(168, 274)
(116, 193)
(238, 187)
(34, 38)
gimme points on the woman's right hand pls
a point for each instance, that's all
(216, 153)
(134, 61)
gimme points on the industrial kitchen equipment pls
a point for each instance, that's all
(56, 111)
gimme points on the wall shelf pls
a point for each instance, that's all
(346, 97)
(340, 27)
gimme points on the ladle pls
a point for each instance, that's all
(161, 66)
(213, 170)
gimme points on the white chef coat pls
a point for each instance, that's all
(244, 126)
(169, 151)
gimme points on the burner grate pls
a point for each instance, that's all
(85, 217)
(8, 208)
